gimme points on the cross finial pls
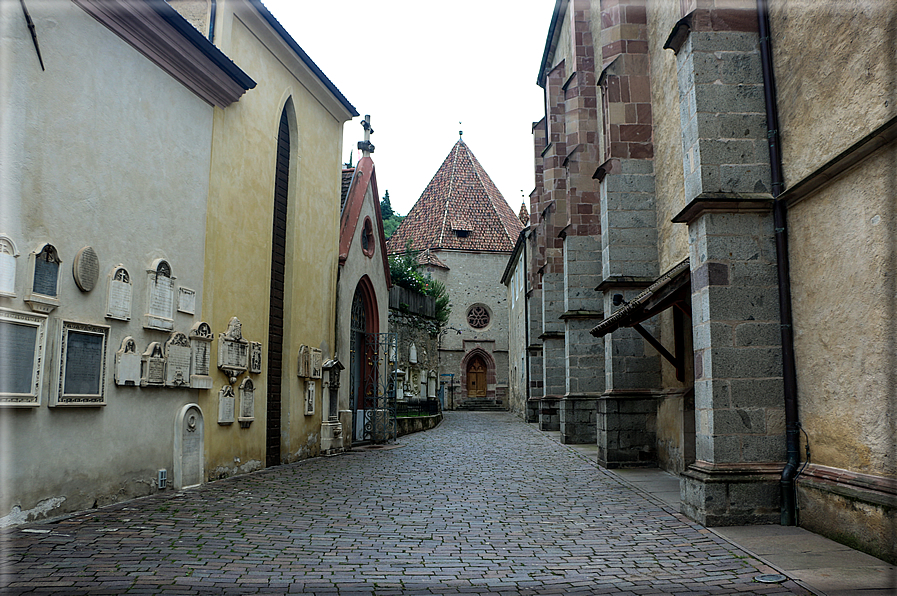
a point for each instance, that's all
(460, 132)
(366, 146)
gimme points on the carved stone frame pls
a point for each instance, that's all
(61, 396)
(33, 397)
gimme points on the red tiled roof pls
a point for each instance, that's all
(461, 209)
(524, 214)
(344, 190)
(428, 258)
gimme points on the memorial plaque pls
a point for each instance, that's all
(152, 366)
(247, 402)
(118, 295)
(127, 363)
(178, 356)
(8, 255)
(201, 342)
(309, 397)
(46, 272)
(160, 297)
(188, 447)
(187, 301)
(22, 345)
(304, 362)
(86, 268)
(226, 405)
(82, 365)
(316, 361)
(255, 357)
(233, 350)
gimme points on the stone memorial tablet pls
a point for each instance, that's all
(233, 350)
(22, 346)
(118, 294)
(160, 296)
(86, 268)
(201, 343)
(316, 361)
(188, 447)
(226, 405)
(309, 397)
(304, 364)
(82, 365)
(187, 301)
(8, 255)
(44, 289)
(178, 356)
(127, 364)
(255, 357)
(247, 403)
(152, 366)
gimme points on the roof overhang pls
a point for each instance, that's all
(554, 30)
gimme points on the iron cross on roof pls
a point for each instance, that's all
(366, 146)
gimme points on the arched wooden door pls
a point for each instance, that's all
(476, 377)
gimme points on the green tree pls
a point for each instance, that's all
(405, 271)
(386, 211)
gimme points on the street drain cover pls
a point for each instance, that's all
(771, 578)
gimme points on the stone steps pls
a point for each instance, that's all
(480, 404)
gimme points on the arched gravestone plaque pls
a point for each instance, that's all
(226, 405)
(127, 363)
(152, 366)
(188, 447)
(160, 296)
(8, 254)
(86, 268)
(43, 290)
(247, 403)
(118, 296)
(201, 344)
(177, 360)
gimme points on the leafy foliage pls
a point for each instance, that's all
(391, 219)
(405, 271)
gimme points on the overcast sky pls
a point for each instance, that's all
(419, 67)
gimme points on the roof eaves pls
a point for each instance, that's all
(550, 42)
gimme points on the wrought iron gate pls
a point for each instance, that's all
(380, 387)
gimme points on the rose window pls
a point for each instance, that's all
(478, 317)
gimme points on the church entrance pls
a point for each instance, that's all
(476, 377)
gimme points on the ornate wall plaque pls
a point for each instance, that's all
(22, 346)
(226, 405)
(255, 357)
(160, 296)
(86, 268)
(233, 350)
(247, 403)
(187, 301)
(127, 363)
(42, 294)
(201, 342)
(152, 366)
(178, 357)
(82, 365)
(316, 362)
(118, 294)
(304, 362)
(8, 255)
(309, 397)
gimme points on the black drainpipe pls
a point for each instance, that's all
(789, 371)
(212, 21)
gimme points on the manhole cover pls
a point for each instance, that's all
(771, 578)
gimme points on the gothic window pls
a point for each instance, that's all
(367, 237)
(478, 316)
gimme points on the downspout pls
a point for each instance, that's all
(212, 21)
(789, 371)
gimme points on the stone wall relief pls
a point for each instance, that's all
(86, 268)
(309, 397)
(233, 351)
(255, 357)
(23, 340)
(152, 366)
(303, 365)
(316, 363)
(42, 294)
(201, 344)
(187, 301)
(247, 403)
(226, 405)
(119, 292)
(178, 358)
(81, 364)
(8, 255)
(127, 363)
(159, 296)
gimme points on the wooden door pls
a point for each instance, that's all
(476, 378)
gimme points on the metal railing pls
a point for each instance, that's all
(429, 407)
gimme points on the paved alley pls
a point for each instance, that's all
(483, 504)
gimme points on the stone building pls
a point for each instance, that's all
(465, 231)
(142, 220)
(674, 187)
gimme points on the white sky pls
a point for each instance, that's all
(419, 67)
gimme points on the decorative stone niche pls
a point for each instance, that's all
(159, 296)
(247, 403)
(86, 269)
(233, 350)
(201, 344)
(119, 292)
(178, 357)
(226, 405)
(22, 348)
(8, 255)
(152, 366)
(127, 364)
(82, 365)
(43, 288)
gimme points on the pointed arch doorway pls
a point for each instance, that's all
(476, 377)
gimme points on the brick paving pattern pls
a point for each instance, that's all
(483, 504)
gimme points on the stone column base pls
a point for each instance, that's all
(345, 420)
(548, 413)
(578, 419)
(331, 438)
(532, 410)
(627, 429)
(731, 494)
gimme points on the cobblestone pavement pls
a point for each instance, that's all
(483, 504)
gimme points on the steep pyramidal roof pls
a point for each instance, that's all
(461, 209)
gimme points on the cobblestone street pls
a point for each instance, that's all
(483, 504)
